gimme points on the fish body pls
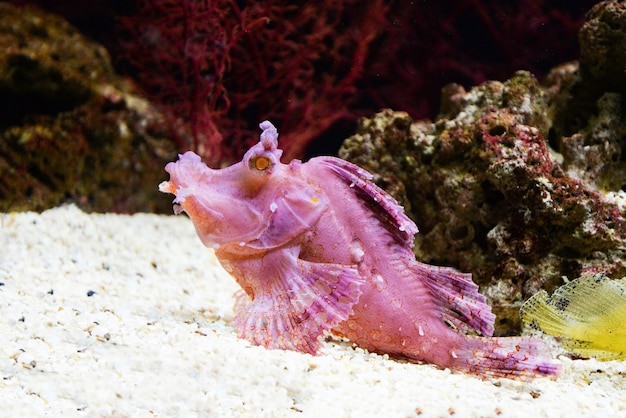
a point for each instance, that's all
(317, 247)
(587, 315)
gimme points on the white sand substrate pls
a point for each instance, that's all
(116, 315)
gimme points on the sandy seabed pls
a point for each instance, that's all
(115, 315)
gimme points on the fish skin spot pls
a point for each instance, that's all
(379, 282)
(354, 287)
(419, 326)
(352, 324)
(304, 296)
(333, 279)
(376, 335)
(344, 300)
(323, 287)
(322, 317)
(357, 254)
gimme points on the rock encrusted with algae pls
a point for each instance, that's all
(603, 46)
(587, 104)
(70, 129)
(488, 194)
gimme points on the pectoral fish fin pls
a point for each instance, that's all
(587, 315)
(386, 208)
(462, 307)
(299, 302)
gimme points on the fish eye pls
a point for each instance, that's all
(260, 163)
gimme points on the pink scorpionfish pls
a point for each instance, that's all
(317, 248)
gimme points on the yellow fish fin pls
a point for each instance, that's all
(587, 315)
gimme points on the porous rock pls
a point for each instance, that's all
(586, 102)
(71, 130)
(603, 46)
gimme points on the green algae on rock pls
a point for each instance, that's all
(71, 130)
(489, 196)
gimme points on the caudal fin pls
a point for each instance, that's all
(511, 357)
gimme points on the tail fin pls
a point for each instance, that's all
(520, 358)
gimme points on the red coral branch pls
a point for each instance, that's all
(182, 53)
(218, 68)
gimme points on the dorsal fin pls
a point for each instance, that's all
(385, 207)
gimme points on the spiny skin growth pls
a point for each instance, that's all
(317, 247)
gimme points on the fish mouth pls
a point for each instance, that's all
(167, 187)
(187, 200)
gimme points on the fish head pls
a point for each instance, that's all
(258, 202)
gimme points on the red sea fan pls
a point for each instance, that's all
(181, 53)
(217, 67)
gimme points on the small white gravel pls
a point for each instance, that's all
(114, 315)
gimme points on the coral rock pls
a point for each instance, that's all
(70, 129)
(603, 45)
(587, 102)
